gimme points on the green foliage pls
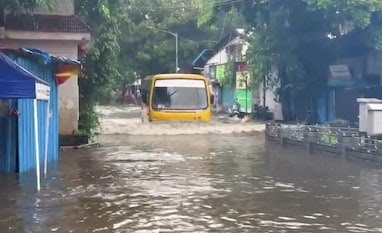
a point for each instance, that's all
(229, 74)
(149, 47)
(132, 39)
(354, 13)
(17, 6)
(89, 121)
(101, 62)
(291, 38)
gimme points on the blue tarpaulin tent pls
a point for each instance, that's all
(18, 83)
(55, 71)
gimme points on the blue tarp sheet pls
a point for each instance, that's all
(15, 81)
(42, 56)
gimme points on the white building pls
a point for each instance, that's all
(232, 49)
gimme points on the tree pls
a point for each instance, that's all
(301, 38)
(129, 43)
(148, 49)
(101, 62)
(23, 6)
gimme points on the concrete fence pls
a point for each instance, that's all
(340, 141)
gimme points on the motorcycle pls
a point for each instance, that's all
(235, 110)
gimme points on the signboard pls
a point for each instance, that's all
(241, 79)
(220, 72)
(244, 97)
(339, 72)
(243, 90)
(42, 91)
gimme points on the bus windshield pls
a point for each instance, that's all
(179, 94)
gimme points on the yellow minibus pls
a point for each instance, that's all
(177, 97)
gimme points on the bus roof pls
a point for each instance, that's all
(176, 76)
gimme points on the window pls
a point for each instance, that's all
(180, 94)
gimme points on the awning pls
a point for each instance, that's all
(18, 83)
(67, 70)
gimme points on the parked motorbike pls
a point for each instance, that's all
(235, 110)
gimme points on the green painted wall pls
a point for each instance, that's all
(245, 99)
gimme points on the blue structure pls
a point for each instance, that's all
(41, 64)
(19, 90)
(16, 141)
(339, 99)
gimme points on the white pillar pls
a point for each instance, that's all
(47, 138)
(177, 52)
(37, 145)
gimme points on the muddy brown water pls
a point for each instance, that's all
(208, 183)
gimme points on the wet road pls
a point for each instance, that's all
(195, 184)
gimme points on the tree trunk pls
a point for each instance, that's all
(264, 91)
(285, 97)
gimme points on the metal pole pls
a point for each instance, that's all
(47, 138)
(176, 51)
(37, 144)
(176, 45)
(246, 95)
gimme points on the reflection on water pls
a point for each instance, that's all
(195, 184)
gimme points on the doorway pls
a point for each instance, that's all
(346, 106)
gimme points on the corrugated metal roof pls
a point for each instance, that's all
(40, 55)
(46, 74)
(207, 54)
(26, 139)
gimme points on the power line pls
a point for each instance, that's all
(217, 3)
(181, 37)
(223, 28)
(198, 41)
(229, 2)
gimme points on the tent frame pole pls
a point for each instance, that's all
(47, 138)
(37, 145)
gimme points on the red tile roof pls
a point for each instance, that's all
(46, 23)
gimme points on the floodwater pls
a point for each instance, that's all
(127, 120)
(205, 183)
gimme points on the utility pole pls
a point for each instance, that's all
(176, 35)
(176, 52)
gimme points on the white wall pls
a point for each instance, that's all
(220, 57)
(69, 91)
(274, 106)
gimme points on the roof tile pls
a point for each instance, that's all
(46, 23)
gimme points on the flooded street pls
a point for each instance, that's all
(204, 183)
(127, 120)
